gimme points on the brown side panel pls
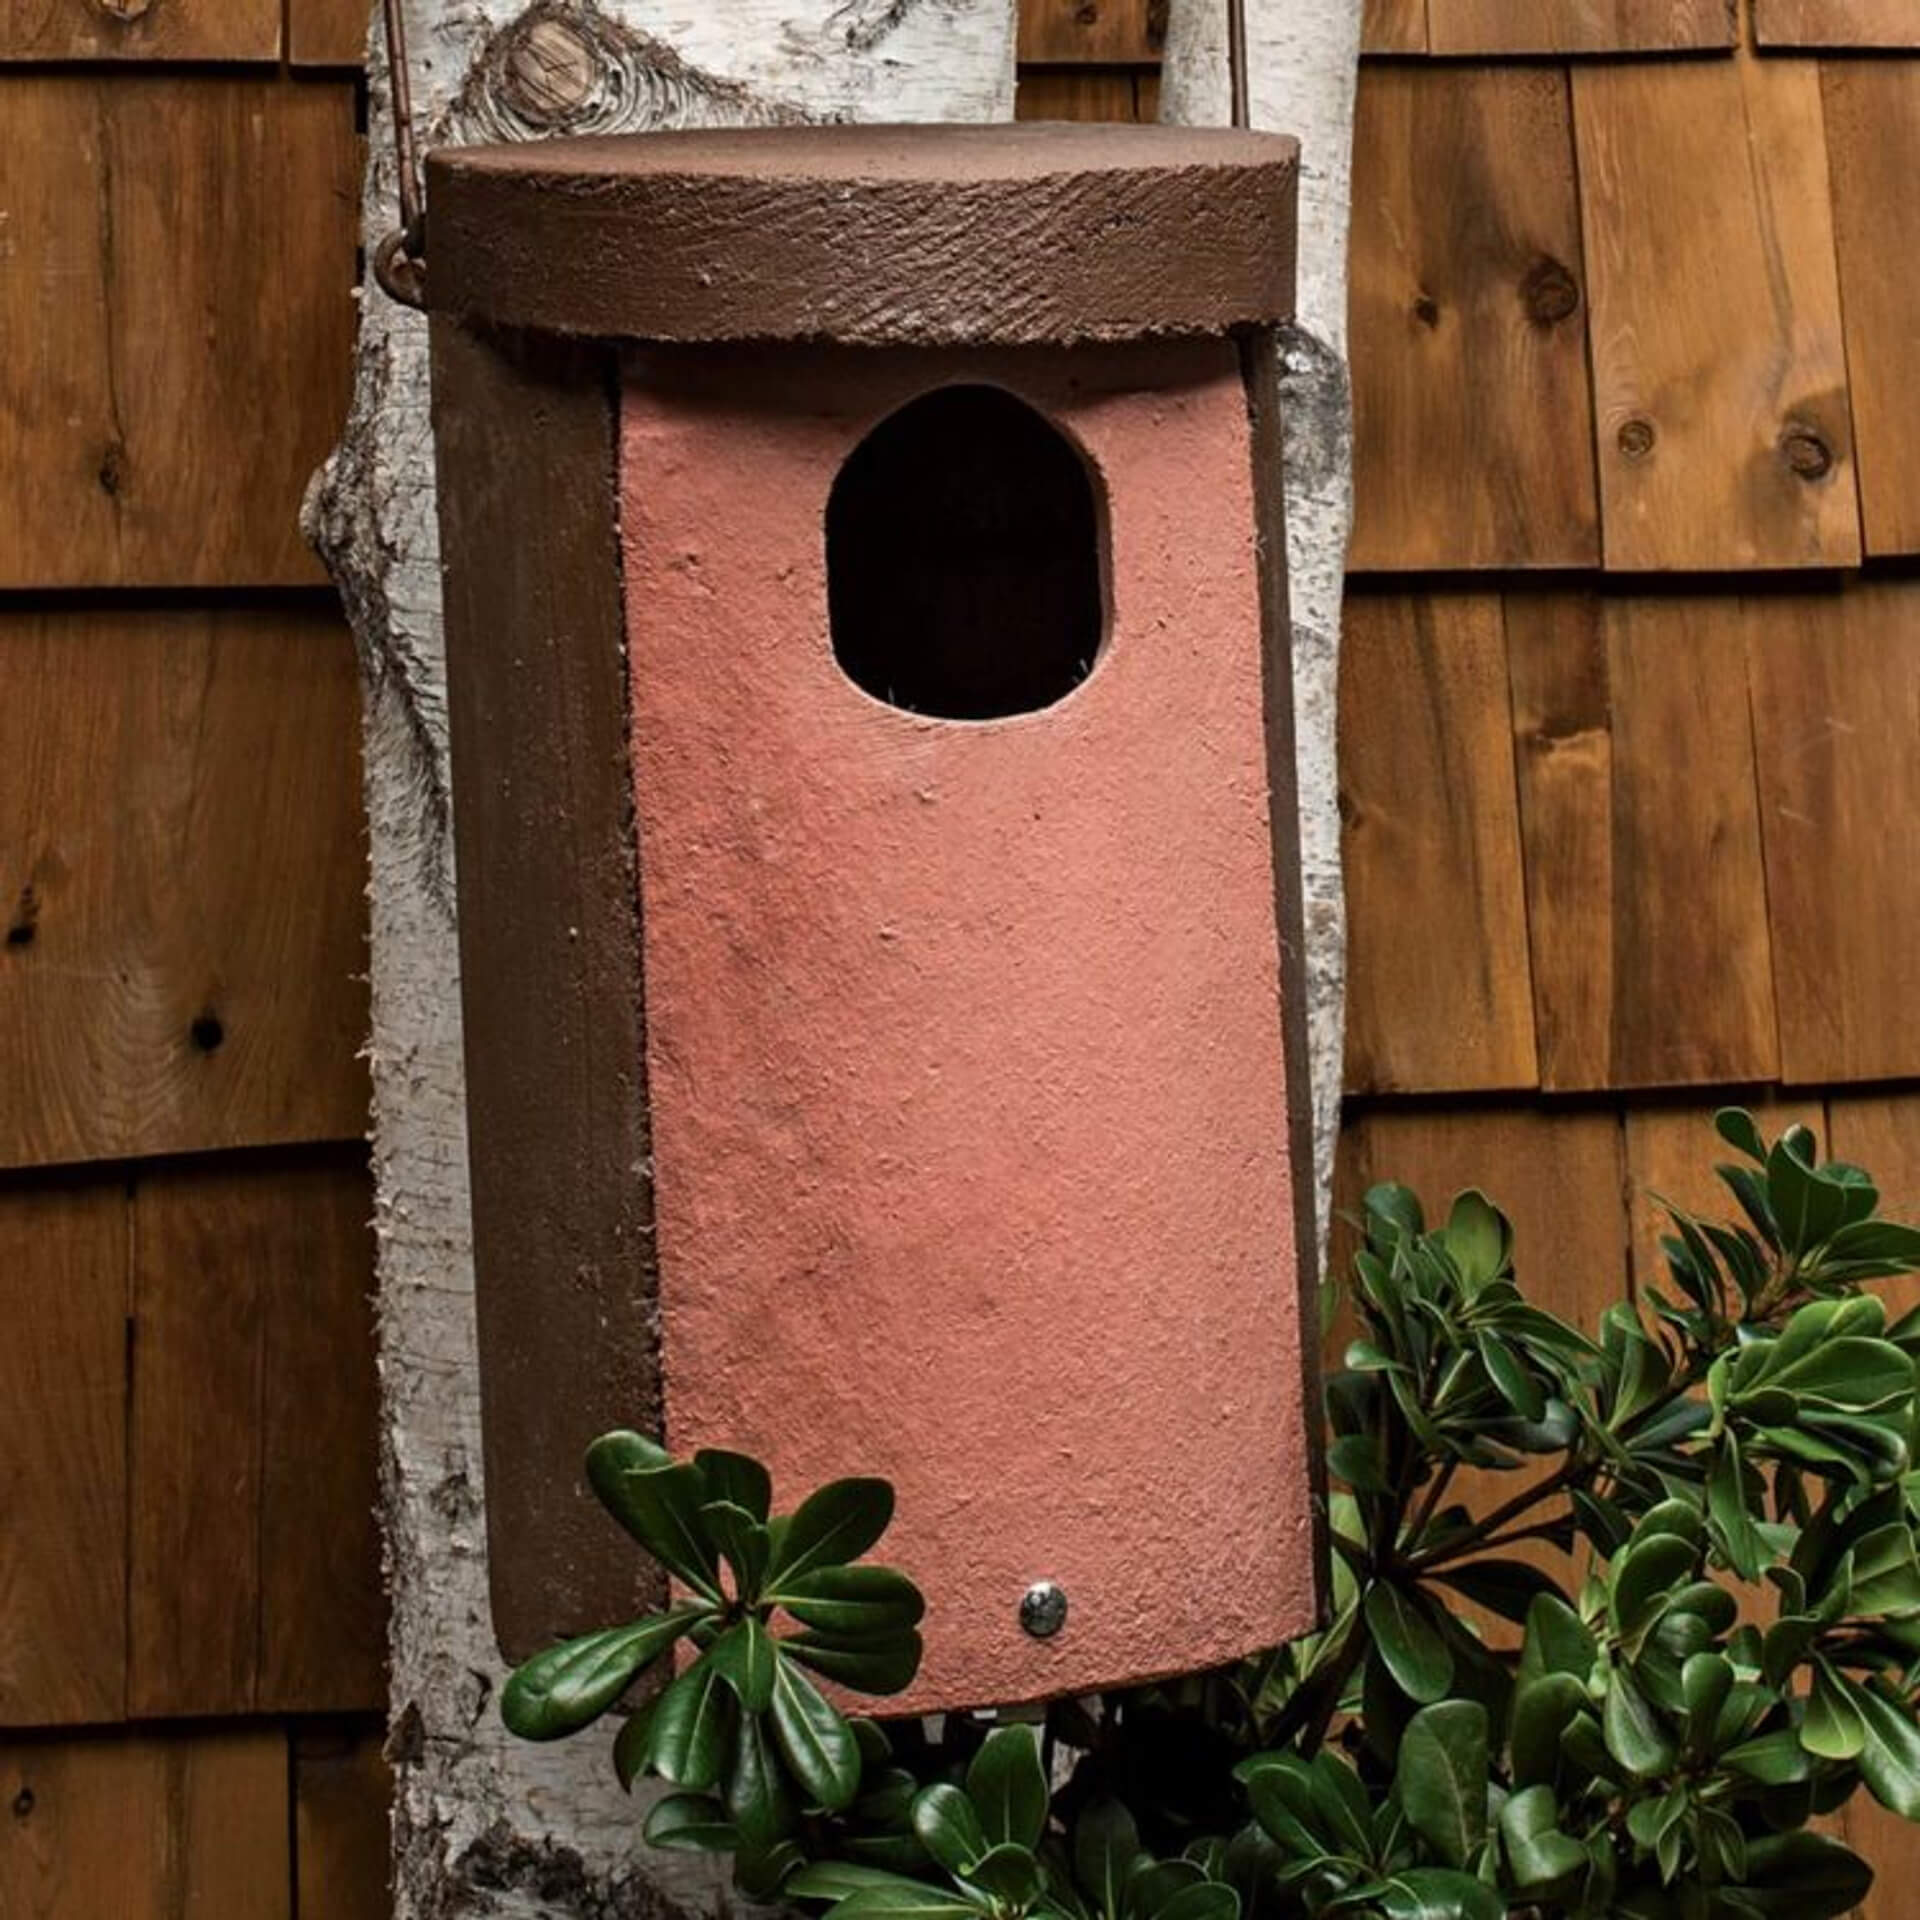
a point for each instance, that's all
(1263, 363)
(550, 963)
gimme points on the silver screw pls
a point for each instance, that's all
(1043, 1609)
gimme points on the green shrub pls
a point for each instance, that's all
(1731, 1463)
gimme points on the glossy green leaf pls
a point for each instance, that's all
(1478, 1239)
(1007, 1875)
(1543, 1708)
(1706, 1681)
(1734, 1531)
(819, 1747)
(737, 1479)
(692, 1823)
(1557, 1640)
(569, 1686)
(1804, 1876)
(757, 1798)
(949, 1827)
(1392, 1215)
(1354, 1458)
(852, 1600)
(1152, 1884)
(1408, 1641)
(1209, 1900)
(1890, 1759)
(660, 1507)
(1008, 1787)
(1834, 1727)
(1644, 1578)
(1521, 1391)
(691, 1727)
(744, 1658)
(830, 1528)
(762, 1869)
(1105, 1845)
(630, 1744)
(881, 1664)
(1440, 1893)
(1741, 1132)
(1440, 1778)
(1539, 1853)
(1809, 1203)
(836, 1879)
(1635, 1734)
(909, 1901)
(1772, 1759)
(744, 1544)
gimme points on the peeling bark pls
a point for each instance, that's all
(1302, 68)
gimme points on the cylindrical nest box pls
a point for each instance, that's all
(873, 784)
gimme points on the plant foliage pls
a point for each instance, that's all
(1699, 1608)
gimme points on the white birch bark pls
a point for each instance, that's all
(1303, 59)
(485, 1825)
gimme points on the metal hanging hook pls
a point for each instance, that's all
(1237, 61)
(400, 260)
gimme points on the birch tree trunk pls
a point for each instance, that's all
(1303, 61)
(485, 1825)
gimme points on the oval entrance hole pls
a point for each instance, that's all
(965, 577)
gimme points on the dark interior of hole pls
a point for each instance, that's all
(963, 559)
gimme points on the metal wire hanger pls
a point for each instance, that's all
(400, 260)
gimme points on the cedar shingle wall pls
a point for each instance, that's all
(191, 1622)
(1630, 737)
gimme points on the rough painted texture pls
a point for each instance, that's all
(484, 1825)
(870, 234)
(965, 1045)
(1303, 65)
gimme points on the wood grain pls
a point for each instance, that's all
(146, 1828)
(1646, 894)
(1836, 712)
(181, 881)
(328, 33)
(1873, 142)
(323, 1613)
(1068, 93)
(255, 1569)
(1579, 26)
(1672, 1151)
(1393, 26)
(1719, 371)
(1439, 994)
(199, 1306)
(63, 1453)
(127, 30)
(178, 308)
(1837, 23)
(341, 1789)
(1094, 32)
(1473, 411)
